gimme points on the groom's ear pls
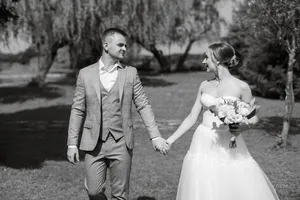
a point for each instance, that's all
(105, 45)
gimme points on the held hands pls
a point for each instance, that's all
(160, 144)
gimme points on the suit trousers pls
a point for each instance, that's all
(115, 156)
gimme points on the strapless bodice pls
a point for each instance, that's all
(209, 118)
(208, 100)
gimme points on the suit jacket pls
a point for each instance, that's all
(86, 109)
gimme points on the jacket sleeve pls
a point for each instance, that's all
(77, 112)
(143, 107)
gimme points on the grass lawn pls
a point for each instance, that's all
(33, 132)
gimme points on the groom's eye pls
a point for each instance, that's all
(206, 57)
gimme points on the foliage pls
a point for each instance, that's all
(202, 21)
(51, 24)
(8, 14)
(263, 45)
(278, 22)
(202, 17)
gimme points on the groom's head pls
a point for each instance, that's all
(114, 43)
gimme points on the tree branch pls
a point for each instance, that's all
(274, 21)
(288, 46)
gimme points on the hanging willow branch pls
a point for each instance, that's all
(80, 21)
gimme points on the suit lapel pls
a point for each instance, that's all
(122, 79)
(95, 77)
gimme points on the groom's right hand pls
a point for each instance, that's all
(73, 155)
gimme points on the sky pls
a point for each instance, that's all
(225, 10)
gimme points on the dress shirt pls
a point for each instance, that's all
(108, 74)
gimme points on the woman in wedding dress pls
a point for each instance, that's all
(212, 170)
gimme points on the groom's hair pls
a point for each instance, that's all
(112, 31)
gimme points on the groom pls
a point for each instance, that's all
(102, 104)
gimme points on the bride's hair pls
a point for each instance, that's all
(224, 54)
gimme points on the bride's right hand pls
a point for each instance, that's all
(253, 120)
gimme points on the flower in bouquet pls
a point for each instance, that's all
(233, 112)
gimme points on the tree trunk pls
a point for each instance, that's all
(44, 64)
(162, 60)
(73, 57)
(184, 56)
(82, 55)
(289, 101)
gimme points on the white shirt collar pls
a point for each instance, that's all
(102, 67)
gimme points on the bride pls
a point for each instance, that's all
(212, 170)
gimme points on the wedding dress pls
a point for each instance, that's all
(213, 171)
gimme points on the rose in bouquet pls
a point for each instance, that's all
(233, 112)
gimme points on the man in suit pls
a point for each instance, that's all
(102, 104)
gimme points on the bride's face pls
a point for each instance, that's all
(208, 63)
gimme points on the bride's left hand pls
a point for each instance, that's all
(165, 148)
(167, 145)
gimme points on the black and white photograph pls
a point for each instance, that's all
(150, 99)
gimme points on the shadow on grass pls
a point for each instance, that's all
(147, 80)
(273, 125)
(145, 198)
(155, 82)
(28, 138)
(21, 94)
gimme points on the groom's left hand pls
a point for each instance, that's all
(158, 144)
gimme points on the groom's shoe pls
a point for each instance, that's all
(100, 196)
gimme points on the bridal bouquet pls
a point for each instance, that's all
(233, 112)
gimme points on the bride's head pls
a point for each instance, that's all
(220, 54)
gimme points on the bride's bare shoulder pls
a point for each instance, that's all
(240, 82)
(204, 84)
(244, 86)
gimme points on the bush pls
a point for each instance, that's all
(264, 66)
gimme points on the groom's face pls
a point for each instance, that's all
(116, 46)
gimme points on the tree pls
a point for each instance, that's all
(276, 21)
(174, 21)
(202, 21)
(79, 24)
(8, 14)
(152, 23)
(262, 62)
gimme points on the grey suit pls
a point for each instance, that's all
(87, 110)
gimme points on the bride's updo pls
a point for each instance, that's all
(223, 53)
